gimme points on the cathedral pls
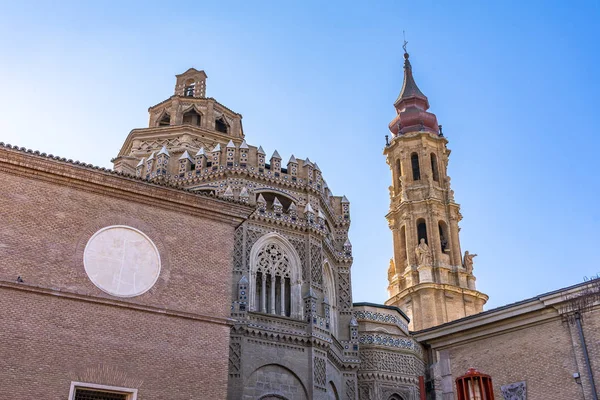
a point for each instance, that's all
(201, 267)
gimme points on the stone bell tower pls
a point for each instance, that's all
(428, 277)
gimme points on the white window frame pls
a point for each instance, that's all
(131, 393)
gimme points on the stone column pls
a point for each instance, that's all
(282, 293)
(273, 309)
(263, 294)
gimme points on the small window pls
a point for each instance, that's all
(443, 229)
(165, 120)
(414, 159)
(220, 125)
(87, 394)
(92, 391)
(191, 118)
(434, 168)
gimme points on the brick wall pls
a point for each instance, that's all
(540, 354)
(57, 326)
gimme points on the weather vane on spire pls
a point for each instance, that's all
(405, 42)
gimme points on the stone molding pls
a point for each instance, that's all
(124, 303)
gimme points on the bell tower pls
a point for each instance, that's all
(428, 278)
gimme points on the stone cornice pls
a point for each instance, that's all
(437, 286)
(504, 319)
(113, 302)
(102, 181)
(159, 132)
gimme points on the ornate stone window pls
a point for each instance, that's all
(275, 277)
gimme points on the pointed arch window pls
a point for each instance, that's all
(416, 171)
(221, 125)
(192, 117)
(165, 120)
(275, 277)
(434, 168)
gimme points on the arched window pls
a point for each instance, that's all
(402, 262)
(192, 117)
(165, 120)
(331, 294)
(221, 125)
(189, 88)
(275, 277)
(414, 160)
(421, 230)
(443, 228)
(434, 168)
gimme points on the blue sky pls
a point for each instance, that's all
(515, 86)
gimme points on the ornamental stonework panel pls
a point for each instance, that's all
(234, 358)
(320, 372)
(376, 360)
(238, 249)
(344, 290)
(316, 265)
(366, 391)
(300, 246)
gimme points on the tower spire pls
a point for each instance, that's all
(410, 89)
(412, 105)
(428, 278)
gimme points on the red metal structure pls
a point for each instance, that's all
(474, 386)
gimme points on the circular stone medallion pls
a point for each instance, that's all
(121, 261)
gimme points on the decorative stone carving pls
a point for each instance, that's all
(373, 360)
(468, 261)
(366, 391)
(380, 317)
(350, 389)
(316, 262)
(391, 270)
(423, 253)
(320, 373)
(514, 391)
(234, 358)
(273, 260)
(344, 290)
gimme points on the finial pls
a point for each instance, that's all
(441, 133)
(387, 140)
(404, 45)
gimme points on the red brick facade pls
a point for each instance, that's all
(58, 327)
